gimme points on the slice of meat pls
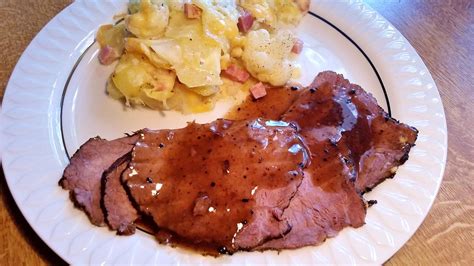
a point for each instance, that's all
(222, 185)
(322, 116)
(353, 146)
(326, 201)
(119, 210)
(375, 143)
(331, 107)
(82, 177)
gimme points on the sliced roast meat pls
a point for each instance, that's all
(334, 108)
(326, 201)
(119, 210)
(251, 184)
(222, 185)
(82, 177)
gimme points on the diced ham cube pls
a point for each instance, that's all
(236, 73)
(303, 5)
(107, 55)
(258, 90)
(297, 46)
(192, 11)
(245, 21)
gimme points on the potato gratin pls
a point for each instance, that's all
(184, 55)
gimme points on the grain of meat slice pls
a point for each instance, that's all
(82, 177)
(326, 201)
(119, 210)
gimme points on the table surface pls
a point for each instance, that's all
(443, 34)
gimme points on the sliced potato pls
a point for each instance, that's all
(180, 27)
(219, 22)
(276, 13)
(130, 74)
(187, 101)
(205, 90)
(156, 99)
(262, 10)
(290, 12)
(110, 35)
(150, 21)
(112, 91)
(195, 59)
(140, 46)
(169, 50)
(200, 66)
(135, 77)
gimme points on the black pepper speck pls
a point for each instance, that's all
(371, 202)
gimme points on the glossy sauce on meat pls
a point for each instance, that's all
(326, 200)
(272, 106)
(249, 184)
(326, 112)
(222, 185)
(376, 143)
(322, 115)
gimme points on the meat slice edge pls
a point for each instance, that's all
(119, 210)
(82, 177)
(391, 140)
(325, 203)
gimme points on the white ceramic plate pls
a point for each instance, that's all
(55, 101)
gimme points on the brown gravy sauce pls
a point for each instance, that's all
(272, 106)
(201, 184)
(324, 115)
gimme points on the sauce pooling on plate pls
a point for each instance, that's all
(214, 186)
